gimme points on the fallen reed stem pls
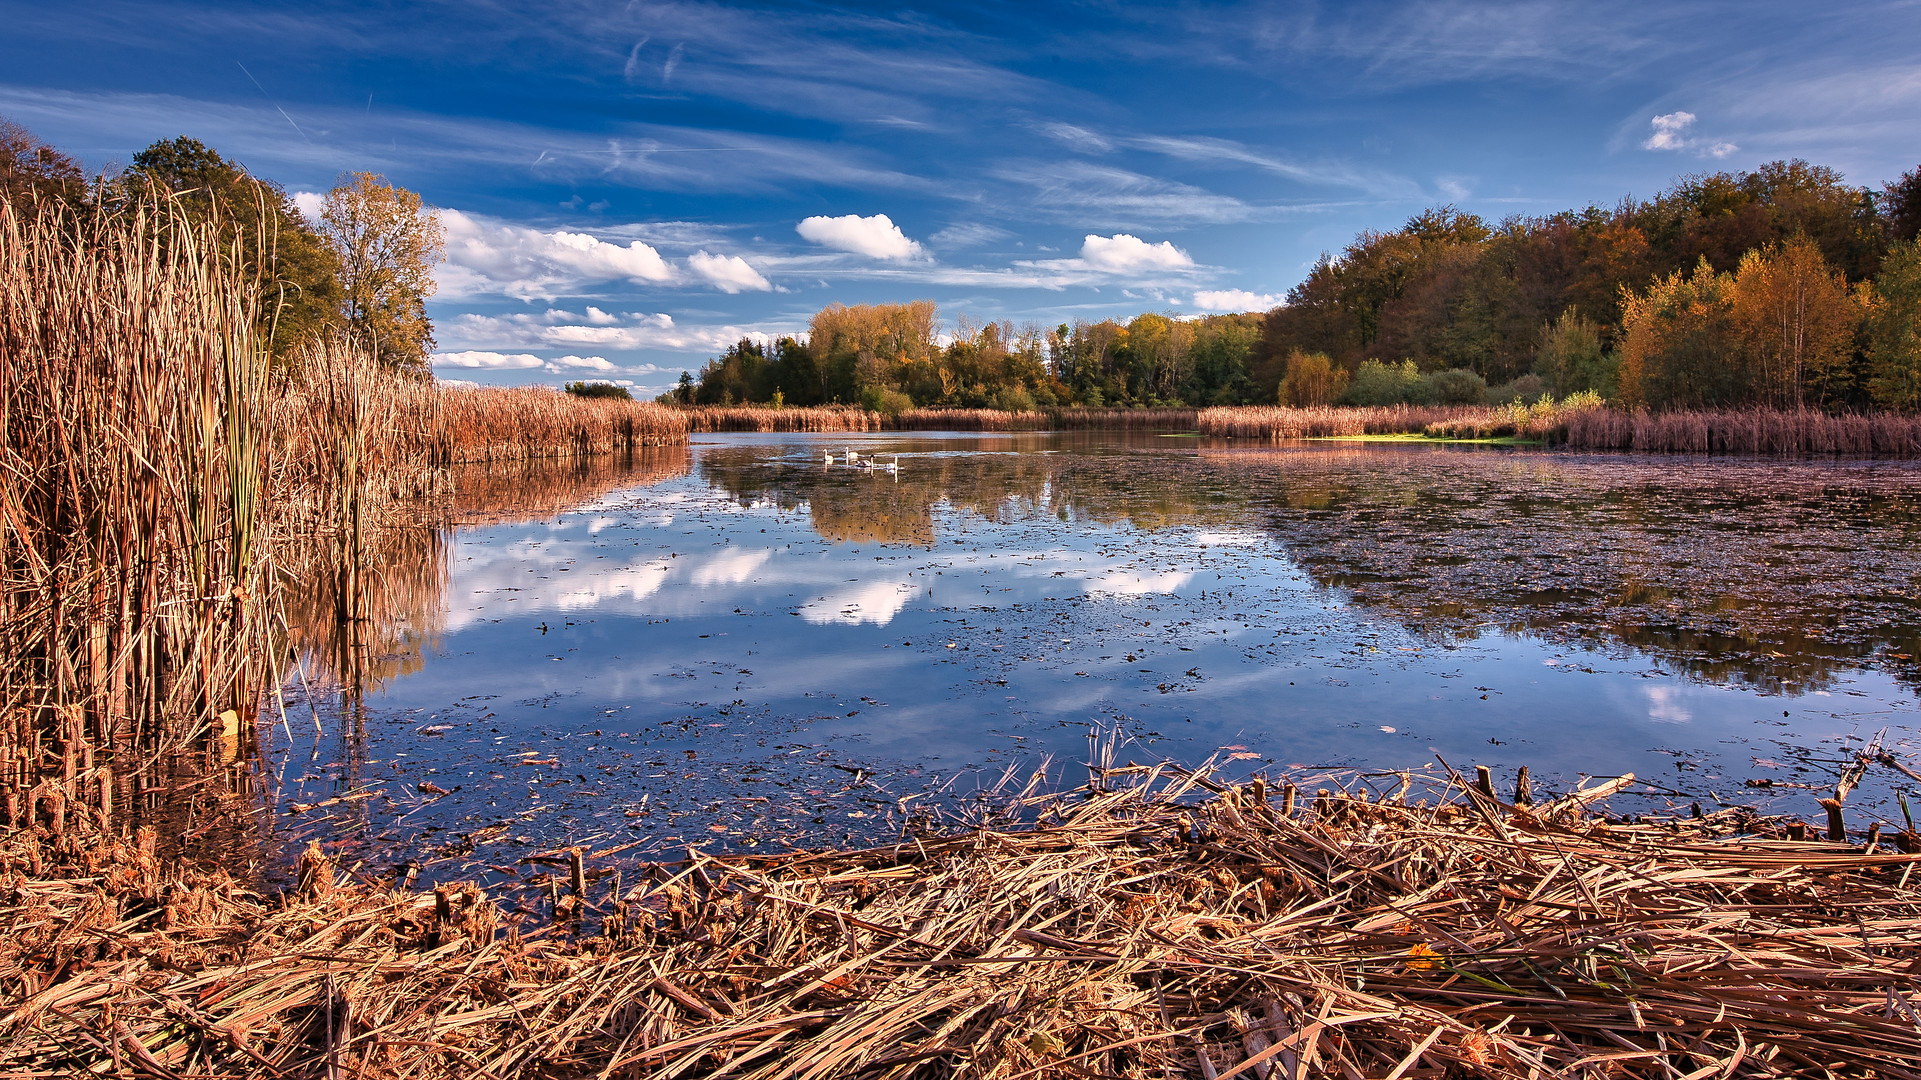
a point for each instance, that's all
(1128, 929)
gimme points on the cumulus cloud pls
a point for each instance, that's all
(486, 257)
(1671, 133)
(564, 330)
(1234, 300)
(876, 237)
(728, 273)
(483, 360)
(1124, 253)
(491, 361)
(493, 257)
(310, 204)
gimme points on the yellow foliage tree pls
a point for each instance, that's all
(1311, 379)
(388, 244)
(1796, 318)
(1677, 343)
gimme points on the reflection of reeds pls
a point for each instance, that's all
(1138, 932)
(133, 539)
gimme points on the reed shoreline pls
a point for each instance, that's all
(157, 473)
(1156, 923)
(1764, 432)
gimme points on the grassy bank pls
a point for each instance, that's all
(1155, 925)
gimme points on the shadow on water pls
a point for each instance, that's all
(742, 644)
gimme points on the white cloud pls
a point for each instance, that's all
(493, 257)
(876, 237)
(969, 234)
(483, 360)
(1668, 129)
(491, 361)
(556, 329)
(1077, 137)
(1234, 300)
(597, 317)
(1124, 253)
(590, 363)
(310, 204)
(728, 273)
(1671, 133)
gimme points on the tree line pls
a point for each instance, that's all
(1783, 286)
(363, 270)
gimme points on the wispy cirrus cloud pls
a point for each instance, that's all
(1105, 195)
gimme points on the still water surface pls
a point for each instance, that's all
(737, 643)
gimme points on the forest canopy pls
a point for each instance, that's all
(1783, 286)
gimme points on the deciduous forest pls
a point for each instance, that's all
(1784, 286)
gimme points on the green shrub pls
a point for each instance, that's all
(1012, 399)
(1456, 386)
(598, 390)
(881, 399)
(1375, 383)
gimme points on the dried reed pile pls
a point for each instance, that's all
(1747, 431)
(134, 494)
(1129, 931)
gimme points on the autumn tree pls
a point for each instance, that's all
(1571, 357)
(1900, 204)
(1796, 318)
(294, 269)
(1894, 330)
(1676, 343)
(388, 244)
(31, 169)
(1312, 379)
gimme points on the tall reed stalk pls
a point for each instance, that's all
(132, 461)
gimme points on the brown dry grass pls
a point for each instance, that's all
(836, 418)
(1331, 421)
(1748, 431)
(135, 503)
(1128, 932)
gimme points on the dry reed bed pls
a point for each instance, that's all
(134, 497)
(1747, 431)
(1591, 427)
(838, 418)
(1331, 421)
(1130, 932)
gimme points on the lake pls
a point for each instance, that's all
(736, 643)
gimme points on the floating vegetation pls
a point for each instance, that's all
(1153, 924)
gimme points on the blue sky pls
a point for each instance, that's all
(630, 185)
